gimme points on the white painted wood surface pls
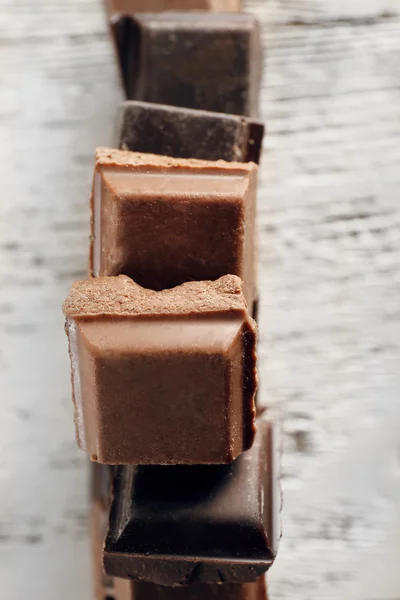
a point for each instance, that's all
(329, 216)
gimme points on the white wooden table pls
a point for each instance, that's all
(329, 217)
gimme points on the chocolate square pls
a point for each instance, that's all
(199, 524)
(188, 133)
(164, 221)
(114, 588)
(162, 377)
(209, 61)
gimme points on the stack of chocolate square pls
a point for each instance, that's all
(162, 337)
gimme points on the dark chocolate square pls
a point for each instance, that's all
(197, 60)
(188, 133)
(199, 524)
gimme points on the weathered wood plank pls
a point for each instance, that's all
(331, 271)
(329, 219)
(303, 12)
(57, 97)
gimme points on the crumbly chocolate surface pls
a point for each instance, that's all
(121, 296)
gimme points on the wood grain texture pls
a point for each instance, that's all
(329, 219)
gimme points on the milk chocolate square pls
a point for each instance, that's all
(188, 133)
(164, 221)
(209, 61)
(132, 6)
(162, 377)
(200, 524)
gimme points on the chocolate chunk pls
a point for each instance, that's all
(200, 524)
(132, 6)
(205, 60)
(127, 590)
(162, 377)
(188, 133)
(113, 588)
(164, 221)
